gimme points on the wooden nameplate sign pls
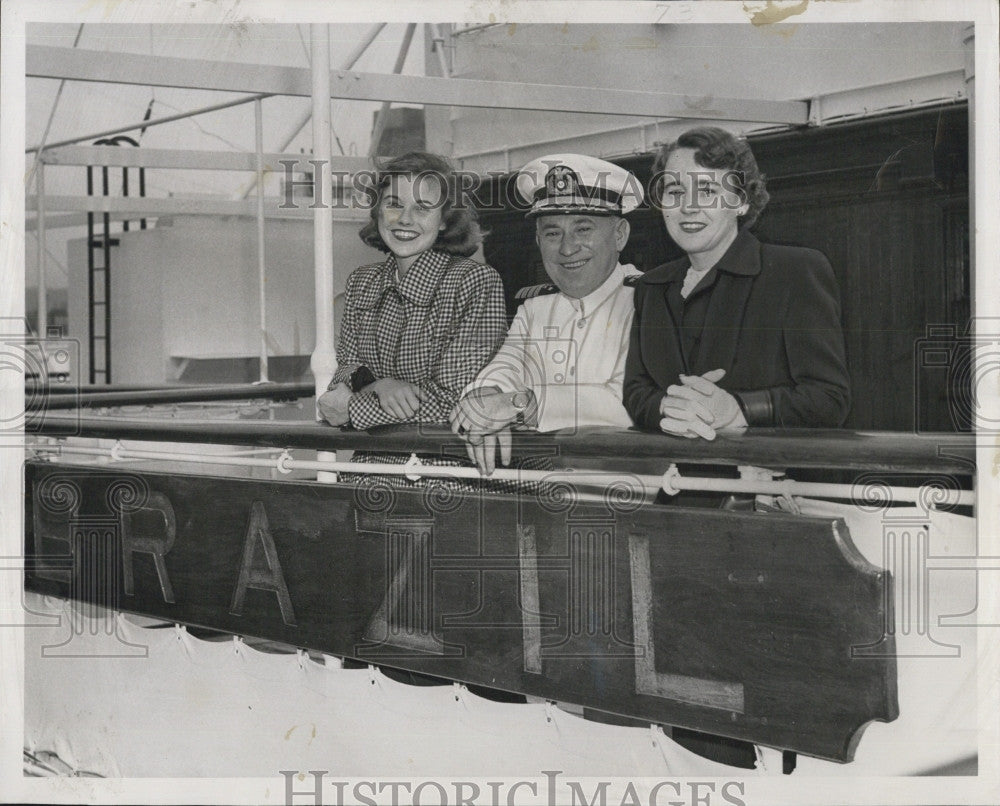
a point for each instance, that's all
(764, 627)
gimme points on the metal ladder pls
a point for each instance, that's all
(99, 243)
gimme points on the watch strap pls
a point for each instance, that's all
(360, 378)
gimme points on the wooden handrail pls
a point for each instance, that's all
(628, 450)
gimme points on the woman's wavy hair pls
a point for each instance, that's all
(461, 234)
(717, 148)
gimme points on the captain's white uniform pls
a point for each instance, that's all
(570, 353)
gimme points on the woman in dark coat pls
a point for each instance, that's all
(737, 332)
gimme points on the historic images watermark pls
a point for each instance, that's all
(42, 366)
(964, 367)
(87, 548)
(928, 538)
(551, 788)
(488, 191)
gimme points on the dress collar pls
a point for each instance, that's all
(419, 283)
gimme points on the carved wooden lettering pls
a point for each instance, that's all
(738, 624)
(404, 617)
(260, 568)
(157, 545)
(684, 688)
(531, 625)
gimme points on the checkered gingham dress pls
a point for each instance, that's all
(436, 328)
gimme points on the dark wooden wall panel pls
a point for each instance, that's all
(888, 255)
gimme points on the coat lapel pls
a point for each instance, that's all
(738, 269)
(661, 351)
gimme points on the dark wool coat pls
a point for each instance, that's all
(770, 319)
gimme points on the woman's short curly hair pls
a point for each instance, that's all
(716, 148)
(461, 234)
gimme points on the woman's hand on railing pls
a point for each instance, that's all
(699, 408)
(400, 399)
(333, 404)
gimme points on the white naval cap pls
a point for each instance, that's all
(575, 183)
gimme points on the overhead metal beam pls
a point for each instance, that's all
(347, 64)
(55, 105)
(145, 124)
(182, 159)
(383, 113)
(61, 221)
(167, 71)
(144, 206)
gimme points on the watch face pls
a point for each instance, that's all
(519, 400)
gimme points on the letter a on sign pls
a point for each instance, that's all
(260, 568)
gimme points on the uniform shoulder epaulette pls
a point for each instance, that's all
(632, 280)
(530, 291)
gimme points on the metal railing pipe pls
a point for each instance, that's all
(42, 291)
(671, 482)
(69, 398)
(324, 358)
(258, 115)
(674, 482)
(413, 469)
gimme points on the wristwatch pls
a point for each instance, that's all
(520, 401)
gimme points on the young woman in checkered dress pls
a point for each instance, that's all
(418, 326)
